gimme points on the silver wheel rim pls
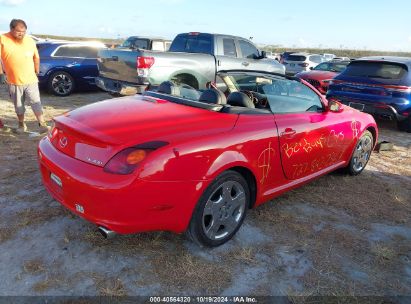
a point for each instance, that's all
(362, 153)
(224, 210)
(61, 84)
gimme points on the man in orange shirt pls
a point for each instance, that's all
(21, 63)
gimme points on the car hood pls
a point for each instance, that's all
(109, 126)
(317, 75)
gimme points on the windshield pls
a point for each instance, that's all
(332, 66)
(282, 95)
(137, 43)
(296, 58)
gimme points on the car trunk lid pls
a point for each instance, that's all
(96, 132)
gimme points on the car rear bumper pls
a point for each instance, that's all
(378, 109)
(120, 87)
(122, 203)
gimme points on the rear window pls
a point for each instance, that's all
(137, 43)
(296, 58)
(383, 70)
(316, 58)
(192, 44)
(76, 51)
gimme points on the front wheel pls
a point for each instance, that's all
(361, 154)
(61, 83)
(220, 211)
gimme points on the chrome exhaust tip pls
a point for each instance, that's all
(106, 233)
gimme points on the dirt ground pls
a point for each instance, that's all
(339, 235)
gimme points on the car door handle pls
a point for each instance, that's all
(245, 63)
(288, 132)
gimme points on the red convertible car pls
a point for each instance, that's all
(320, 76)
(187, 161)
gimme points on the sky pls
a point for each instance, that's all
(349, 24)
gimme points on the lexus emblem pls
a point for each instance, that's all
(63, 142)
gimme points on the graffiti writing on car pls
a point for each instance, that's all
(355, 127)
(264, 162)
(316, 164)
(333, 139)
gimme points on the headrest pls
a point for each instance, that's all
(213, 96)
(169, 87)
(240, 99)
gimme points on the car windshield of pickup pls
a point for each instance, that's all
(137, 43)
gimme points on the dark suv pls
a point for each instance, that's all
(377, 85)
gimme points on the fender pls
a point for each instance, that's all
(227, 160)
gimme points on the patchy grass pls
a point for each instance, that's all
(43, 285)
(34, 266)
(383, 254)
(111, 287)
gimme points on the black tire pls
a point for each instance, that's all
(60, 83)
(361, 154)
(404, 125)
(213, 213)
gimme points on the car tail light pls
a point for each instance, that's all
(304, 64)
(143, 65)
(127, 160)
(144, 62)
(194, 33)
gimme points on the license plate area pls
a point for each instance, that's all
(56, 180)
(357, 106)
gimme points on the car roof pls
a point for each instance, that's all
(61, 42)
(396, 59)
(149, 37)
(300, 54)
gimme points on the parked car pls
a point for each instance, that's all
(272, 55)
(67, 65)
(300, 62)
(146, 43)
(161, 161)
(284, 56)
(328, 57)
(377, 85)
(341, 59)
(193, 59)
(321, 75)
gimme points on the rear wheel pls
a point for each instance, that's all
(220, 211)
(61, 83)
(361, 154)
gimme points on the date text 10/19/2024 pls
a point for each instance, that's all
(205, 299)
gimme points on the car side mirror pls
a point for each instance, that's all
(335, 106)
